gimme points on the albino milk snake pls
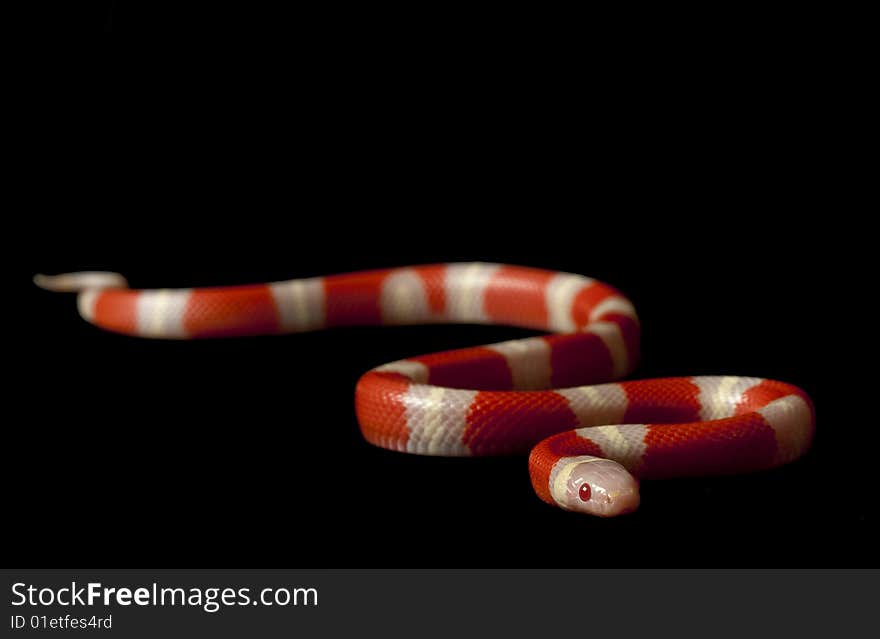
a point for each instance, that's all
(589, 439)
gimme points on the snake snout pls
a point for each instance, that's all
(600, 487)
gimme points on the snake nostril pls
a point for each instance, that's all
(584, 492)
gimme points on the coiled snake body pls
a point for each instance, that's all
(589, 439)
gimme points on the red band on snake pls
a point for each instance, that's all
(589, 440)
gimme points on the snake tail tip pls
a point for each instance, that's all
(75, 282)
(45, 282)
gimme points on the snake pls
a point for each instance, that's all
(557, 397)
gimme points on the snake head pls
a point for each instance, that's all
(594, 485)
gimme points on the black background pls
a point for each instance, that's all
(690, 181)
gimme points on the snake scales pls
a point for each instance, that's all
(590, 440)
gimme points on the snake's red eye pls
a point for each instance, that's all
(584, 492)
